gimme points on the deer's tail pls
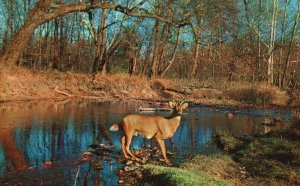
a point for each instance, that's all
(115, 127)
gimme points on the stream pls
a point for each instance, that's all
(35, 132)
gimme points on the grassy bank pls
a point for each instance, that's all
(189, 175)
(273, 158)
(213, 169)
(23, 84)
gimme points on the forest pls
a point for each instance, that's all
(213, 87)
(232, 40)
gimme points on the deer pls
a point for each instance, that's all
(149, 126)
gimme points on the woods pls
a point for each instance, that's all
(244, 41)
(71, 70)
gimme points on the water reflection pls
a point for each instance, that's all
(34, 132)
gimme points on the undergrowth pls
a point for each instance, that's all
(270, 158)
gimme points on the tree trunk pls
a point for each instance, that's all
(132, 65)
(55, 63)
(171, 61)
(283, 28)
(290, 46)
(270, 61)
(195, 60)
(13, 52)
(100, 61)
(61, 43)
(156, 51)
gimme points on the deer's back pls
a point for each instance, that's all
(140, 121)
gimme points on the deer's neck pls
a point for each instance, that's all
(174, 121)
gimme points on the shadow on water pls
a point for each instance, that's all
(32, 133)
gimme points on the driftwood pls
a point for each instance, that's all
(190, 89)
(62, 92)
(94, 97)
(145, 109)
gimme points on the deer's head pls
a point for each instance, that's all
(177, 107)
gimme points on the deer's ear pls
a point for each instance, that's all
(184, 105)
(172, 104)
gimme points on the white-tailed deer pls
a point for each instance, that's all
(158, 127)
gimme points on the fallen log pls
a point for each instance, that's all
(145, 109)
(180, 91)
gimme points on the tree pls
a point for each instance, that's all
(270, 60)
(293, 34)
(46, 10)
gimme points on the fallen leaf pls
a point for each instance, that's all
(85, 159)
(87, 153)
(47, 164)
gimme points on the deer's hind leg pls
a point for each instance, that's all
(123, 141)
(127, 147)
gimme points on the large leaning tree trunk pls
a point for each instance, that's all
(47, 10)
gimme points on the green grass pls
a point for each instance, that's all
(180, 176)
(211, 164)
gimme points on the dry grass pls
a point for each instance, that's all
(23, 84)
(257, 94)
(295, 99)
(131, 86)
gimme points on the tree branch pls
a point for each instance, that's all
(56, 10)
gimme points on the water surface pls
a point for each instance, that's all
(32, 133)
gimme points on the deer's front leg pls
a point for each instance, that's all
(162, 146)
(123, 141)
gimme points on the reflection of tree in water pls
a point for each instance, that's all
(53, 130)
(11, 150)
(8, 142)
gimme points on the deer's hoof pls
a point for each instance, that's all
(168, 162)
(127, 157)
(138, 159)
